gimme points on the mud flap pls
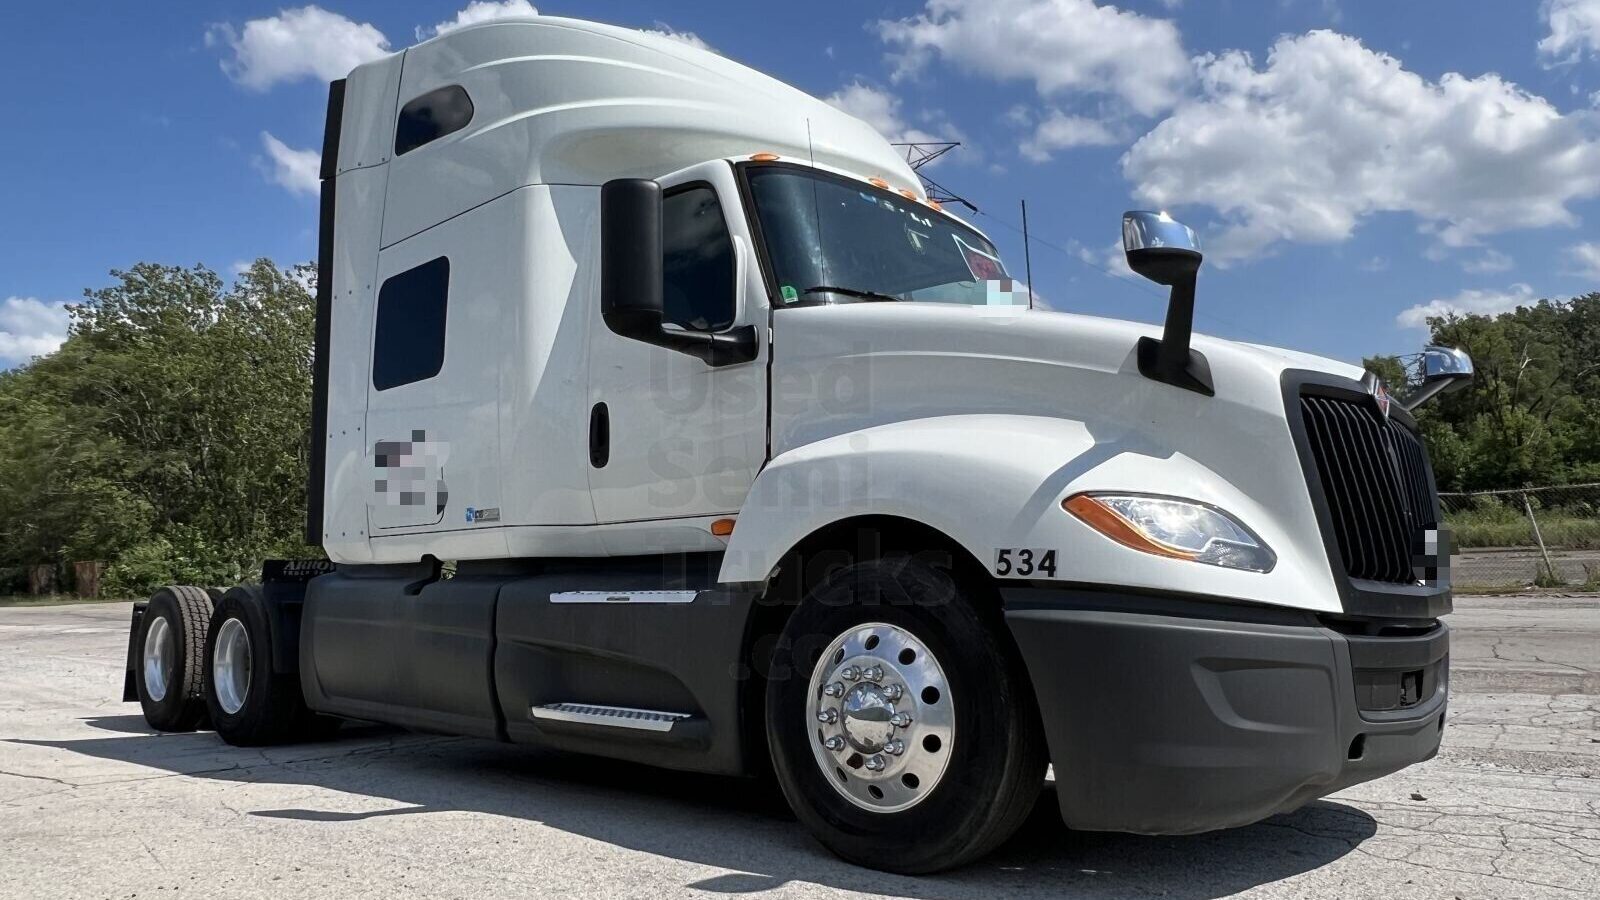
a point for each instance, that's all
(130, 689)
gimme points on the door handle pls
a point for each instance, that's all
(599, 436)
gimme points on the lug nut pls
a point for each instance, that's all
(900, 720)
(893, 692)
(850, 673)
(873, 673)
(834, 690)
(828, 716)
(895, 747)
(876, 764)
(834, 743)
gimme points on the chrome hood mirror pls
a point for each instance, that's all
(1441, 370)
(1160, 247)
(1167, 252)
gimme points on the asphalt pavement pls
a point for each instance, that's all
(93, 804)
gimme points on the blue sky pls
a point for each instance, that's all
(1350, 164)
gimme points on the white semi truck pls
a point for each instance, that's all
(659, 415)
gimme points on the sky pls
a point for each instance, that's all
(1352, 166)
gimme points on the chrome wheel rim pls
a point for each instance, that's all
(882, 717)
(159, 654)
(230, 666)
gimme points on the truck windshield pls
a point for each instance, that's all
(835, 240)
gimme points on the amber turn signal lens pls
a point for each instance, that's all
(1102, 519)
(722, 527)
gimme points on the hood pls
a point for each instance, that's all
(879, 362)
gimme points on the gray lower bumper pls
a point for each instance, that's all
(1161, 723)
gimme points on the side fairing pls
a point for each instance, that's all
(361, 182)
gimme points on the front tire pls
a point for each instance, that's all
(249, 704)
(902, 727)
(170, 675)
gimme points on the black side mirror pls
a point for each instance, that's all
(632, 279)
(630, 257)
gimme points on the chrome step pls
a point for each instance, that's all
(613, 716)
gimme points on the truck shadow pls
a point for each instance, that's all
(737, 824)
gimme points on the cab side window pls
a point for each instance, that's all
(408, 340)
(431, 116)
(698, 264)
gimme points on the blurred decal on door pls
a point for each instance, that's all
(411, 473)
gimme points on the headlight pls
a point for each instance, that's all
(1168, 526)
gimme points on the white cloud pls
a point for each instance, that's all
(1329, 132)
(479, 11)
(882, 110)
(1587, 257)
(1110, 259)
(1468, 302)
(1061, 46)
(682, 37)
(1574, 30)
(1060, 131)
(1491, 261)
(305, 42)
(29, 328)
(296, 170)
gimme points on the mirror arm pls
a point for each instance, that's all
(1170, 360)
(1422, 395)
(1431, 389)
(723, 348)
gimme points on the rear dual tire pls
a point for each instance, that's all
(248, 703)
(170, 676)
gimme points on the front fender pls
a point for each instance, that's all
(997, 481)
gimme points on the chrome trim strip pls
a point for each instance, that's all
(623, 596)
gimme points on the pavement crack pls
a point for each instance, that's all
(66, 784)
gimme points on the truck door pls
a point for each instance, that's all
(683, 438)
(432, 424)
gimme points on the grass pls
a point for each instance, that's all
(1500, 525)
(52, 600)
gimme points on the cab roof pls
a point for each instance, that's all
(565, 101)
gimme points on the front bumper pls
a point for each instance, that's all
(1166, 716)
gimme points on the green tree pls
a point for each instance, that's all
(168, 435)
(1532, 413)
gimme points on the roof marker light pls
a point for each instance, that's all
(764, 157)
(878, 182)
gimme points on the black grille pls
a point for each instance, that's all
(1374, 474)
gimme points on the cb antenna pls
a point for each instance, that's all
(1027, 252)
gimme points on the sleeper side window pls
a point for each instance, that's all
(430, 117)
(698, 264)
(408, 340)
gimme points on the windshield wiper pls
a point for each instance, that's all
(871, 296)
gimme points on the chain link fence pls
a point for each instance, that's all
(1547, 537)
